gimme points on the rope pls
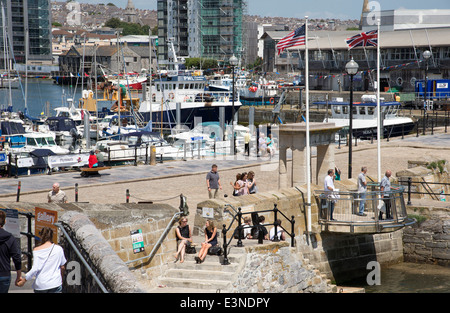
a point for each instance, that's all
(160, 200)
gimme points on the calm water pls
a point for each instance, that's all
(411, 278)
(39, 92)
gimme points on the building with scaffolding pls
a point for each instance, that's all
(201, 28)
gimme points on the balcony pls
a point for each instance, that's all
(338, 211)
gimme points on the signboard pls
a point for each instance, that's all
(12, 224)
(442, 85)
(208, 212)
(137, 239)
(45, 218)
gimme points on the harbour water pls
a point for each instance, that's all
(40, 91)
(410, 278)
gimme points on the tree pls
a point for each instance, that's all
(128, 28)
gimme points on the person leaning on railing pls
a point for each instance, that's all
(385, 187)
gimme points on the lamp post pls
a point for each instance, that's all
(233, 63)
(352, 68)
(426, 55)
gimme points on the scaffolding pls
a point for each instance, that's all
(221, 28)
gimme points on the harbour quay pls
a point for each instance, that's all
(319, 261)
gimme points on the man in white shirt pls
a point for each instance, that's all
(56, 195)
(362, 189)
(329, 187)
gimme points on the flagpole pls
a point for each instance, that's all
(308, 149)
(378, 104)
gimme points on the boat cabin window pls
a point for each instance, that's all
(362, 110)
(370, 110)
(345, 109)
(50, 141)
(355, 111)
(31, 142)
(181, 86)
(337, 109)
(64, 114)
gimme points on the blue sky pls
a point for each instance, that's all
(344, 9)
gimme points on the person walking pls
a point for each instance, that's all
(247, 138)
(48, 265)
(328, 186)
(56, 195)
(9, 249)
(213, 182)
(362, 189)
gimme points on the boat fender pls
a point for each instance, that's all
(272, 100)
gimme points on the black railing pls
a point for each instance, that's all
(239, 229)
(426, 186)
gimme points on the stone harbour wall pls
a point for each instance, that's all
(278, 268)
(428, 241)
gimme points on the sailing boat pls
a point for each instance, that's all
(6, 81)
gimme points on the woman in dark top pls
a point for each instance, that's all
(185, 236)
(210, 241)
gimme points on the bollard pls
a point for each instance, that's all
(146, 154)
(153, 155)
(76, 192)
(17, 169)
(18, 191)
(128, 195)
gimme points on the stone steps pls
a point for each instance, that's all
(209, 276)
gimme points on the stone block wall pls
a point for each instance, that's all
(429, 241)
(107, 266)
(277, 268)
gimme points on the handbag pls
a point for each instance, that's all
(215, 250)
(381, 206)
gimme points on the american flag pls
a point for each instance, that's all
(365, 39)
(294, 38)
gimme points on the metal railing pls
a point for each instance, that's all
(238, 231)
(413, 189)
(77, 251)
(184, 211)
(343, 207)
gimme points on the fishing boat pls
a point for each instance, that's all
(260, 93)
(365, 117)
(187, 90)
(133, 81)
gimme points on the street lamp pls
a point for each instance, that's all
(352, 68)
(233, 63)
(426, 55)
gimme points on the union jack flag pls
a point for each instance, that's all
(294, 38)
(365, 39)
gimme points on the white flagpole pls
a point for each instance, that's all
(308, 148)
(378, 104)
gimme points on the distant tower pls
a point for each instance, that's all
(130, 13)
(365, 9)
